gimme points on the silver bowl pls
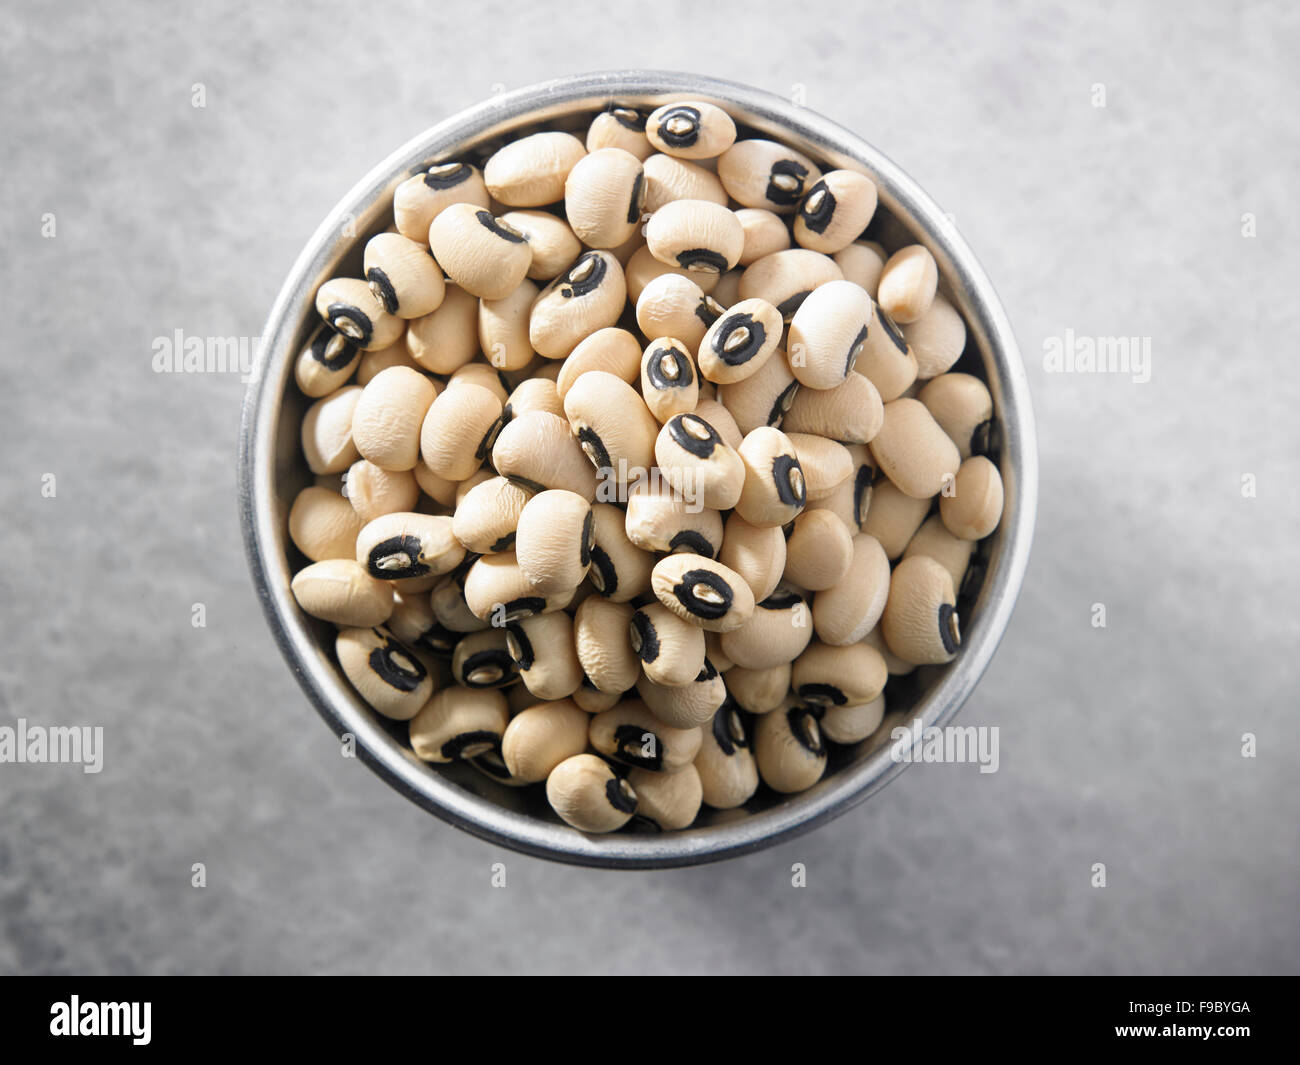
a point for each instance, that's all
(272, 470)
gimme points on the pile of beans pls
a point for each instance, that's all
(638, 471)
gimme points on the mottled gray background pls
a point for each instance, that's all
(1120, 745)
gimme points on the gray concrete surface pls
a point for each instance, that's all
(1120, 745)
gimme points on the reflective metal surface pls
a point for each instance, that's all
(271, 471)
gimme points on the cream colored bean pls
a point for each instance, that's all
(835, 211)
(601, 635)
(553, 242)
(844, 613)
(534, 394)
(620, 127)
(603, 197)
(643, 268)
(690, 129)
(763, 398)
(388, 415)
(920, 621)
(612, 425)
(825, 676)
(327, 442)
(951, 552)
(893, 517)
(698, 464)
(740, 342)
(588, 296)
(420, 199)
(789, 750)
(700, 236)
(828, 333)
(458, 724)
(460, 430)
(403, 275)
(541, 737)
(725, 763)
(415, 624)
(503, 328)
(763, 173)
(775, 487)
(554, 539)
(937, 338)
(778, 631)
(764, 231)
(673, 305)
(612, 350)
(349, 307)
(760, 691)
(667, 801)
(405, 545)
(486, 257)
(341, 591)
(483, 375)
(853, 723)
(631, 734)
(590, 701)
(487, 517)
(962, 406)
(385, 672)
(862, 263)
(688, 706)
(542, 647)
(669, 384)
(819, 551)
(439, 489)
(531, 171)
(447, 601)
(374, 491)
(908, 283)
(323, 525)
(719, 417)
(325, 364)
(447, 339)
(496, 591)
(786, 278)
(537, 451)
(913, 451)
(826, 464)
(587, 794)
(702, 591)
(668, 179)
(483, 660)
(620, 570)
(886, 360)
(756, 553)
(974, 508)
(850, 412)
(671, 650)
(896, 666)
(659, 519)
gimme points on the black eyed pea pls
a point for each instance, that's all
(740, 342)
(660, 519)
(589, 796)
(403, 275)
(553, 541)
(704, 592)
(893, 517)
(339, 590)
(483, 375)
(760, 691)
(951, 552)
(691, 129)
(643, 268)
(669, 385)
(777, 632)
(819, 551)
(326, 363)
(531, 171)
(763, 398)
(349, 307)
(447, 601)
(937, 338)
(386, 673)
(896, 666)
(553, 243)
(612, 425)
(374, 491)
(852, 723)
(496, 591)
(913, 451)
(786, 278)
(620, 570)
(667, 801)
(673, 305)
(726, 293)
(920, 622)
(828, 333)
(835, 211)
(844, 613)
(591, 701)
(765, 233)
(620, 127)
(327, 440)
(460, 430)
(700, 236)
(719, 417)
(415, 624)
(886, 360)
(458, 724)
(669, 179)
(775, 486)
(698, 464)
(763, 173)
(588, 296)
(388, 416)
(631, 734)
(851, 500)
(611, 349)
(420, 199)
(603, 197)
(974, 507)
(725, 764)
(486, 257)
(503, 328)
(908, 283)
(483, 660)
(689, 706)
(671, 650)
(542, 647)
(405, 545)
(825, 676)
(851, 412)
(862, 262)
(534, 393)
(322, 524)
(540, 737)
(756, 553)
(488, 515)
(447, 339)
(601, 638)
(962, 406)
(789, 749)
(537, 451)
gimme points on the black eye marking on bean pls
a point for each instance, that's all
(855, 350)
(654, 369)
(862, 492)
(439, 639)
(986, 438)
(606, 575)
(630, 743)
(454, 747)
(742, 353)
(685, 138)
(507, 413)
(704, 311)
(822, 694)
(947, 628)
(781, 600)
(687, 441)
(493, 224)
(782, 403)
(729, 728)
(383, 289)
(803, 727)
(584, 552)
(344, 351)
(594, 448)
(707, 673)
(447, 175)
(643, 824)
(497, 662)
(526, 482)
(396, 558)
(971, 581)
(629, 118)
(684, 591)
(785, 168)
(570, 289)
(692, 541)
(788, 306)
(521, 647)
(489, 438)
(785, 491)
(618, 796)
(702, 258)
(647, 638)
(638, 197)
(892, 331)
(821, 214)
(524, 607)
(492, 764)
(396, 667)
(504, 543)
(339, 311)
